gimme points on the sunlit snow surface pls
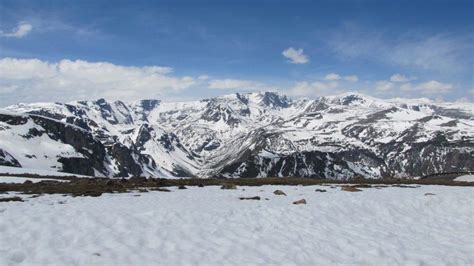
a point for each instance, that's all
(18, 179)
(465, 178)
(199, 138)
(203, 226)
(22, 170)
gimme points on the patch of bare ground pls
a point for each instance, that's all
(97, 186)
(350, 188)
(229, 186)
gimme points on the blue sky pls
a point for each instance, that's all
(68, 50)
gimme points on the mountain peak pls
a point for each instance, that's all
(234, 135)
(149, 104)
(271, 99)
(351, 98)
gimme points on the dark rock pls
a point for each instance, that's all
(126, 163)
(138, 179)
(6, 159)
(229, 186)
(320, 190)
(274, 100)
(301, 201)
(182, 187)
(13, 120)
(77, 165)
(11, 199)
(350, 189)
(160, 189)
(92, 193)
(149, 105)
(250, 198)
(279, 192)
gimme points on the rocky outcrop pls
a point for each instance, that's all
(242, 135)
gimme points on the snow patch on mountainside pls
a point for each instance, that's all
(254, 134)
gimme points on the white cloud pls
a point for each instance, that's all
(332, 76)
(401, 78)
(335, 76)
(334, 84)
(434, 87)
(429, 87)
(36, 80)
(383, 86)
(234, 84)
(203, 77)
(316, 88)
(20, 31)
(295, 56)
(352, 78)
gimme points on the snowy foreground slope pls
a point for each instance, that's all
(202, 226)
(242, 135)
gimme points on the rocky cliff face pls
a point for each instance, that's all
(242, 135)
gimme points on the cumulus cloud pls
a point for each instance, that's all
(401, 78)
(295, 56)
(334, 84)
(334, 76)
(316, 88)
(352, 78)
(234, 84)
(37, 80)
(20, 31)
(203, 77)
(383, 86)
(429, 87)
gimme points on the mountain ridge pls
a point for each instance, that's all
(241, 135)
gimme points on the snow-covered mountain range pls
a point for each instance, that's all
(241, 135)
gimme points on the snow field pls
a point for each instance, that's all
(203, 226)
(34, 171)
(465, 178)
(19, 180)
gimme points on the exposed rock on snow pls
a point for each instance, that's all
(301, 201)
(9, 199)
(241, 135)
(250, 198)
(209, 226)
(350, 189)
(279, 192)
(229, 186)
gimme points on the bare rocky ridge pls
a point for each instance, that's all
(242, 135)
